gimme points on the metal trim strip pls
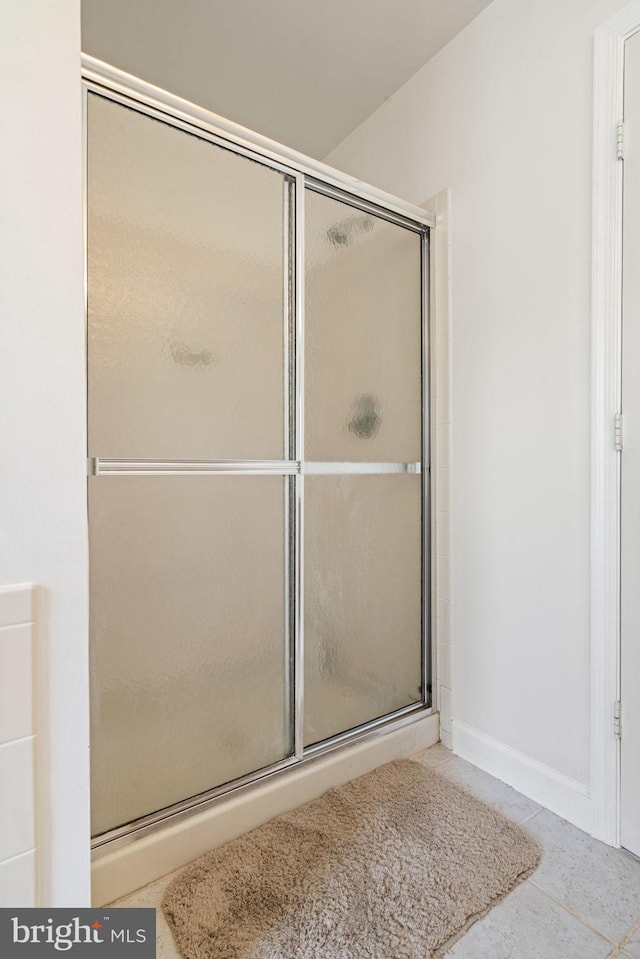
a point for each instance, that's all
(349, 198)
(104, 78)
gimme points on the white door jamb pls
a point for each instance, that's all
(606, 332)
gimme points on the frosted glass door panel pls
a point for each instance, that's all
(189, 670)
(362, 336)
(185, 294)
(362, 600)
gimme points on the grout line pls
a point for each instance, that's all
(444, 762)
(18, 855)
(23, 622)
(627, 936)
(21, 739)
(531, 815)
(571, 912)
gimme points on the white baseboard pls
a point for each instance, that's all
(121, 871)
(562, 795)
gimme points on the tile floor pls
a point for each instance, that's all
(583, 902)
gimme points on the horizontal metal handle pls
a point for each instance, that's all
(128, 467)
(321, 469)
(125, 467)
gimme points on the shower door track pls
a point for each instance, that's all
(148, 825)
(301, 173)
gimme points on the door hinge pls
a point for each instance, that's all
(617, 431)
(617, 720)
(620, 140)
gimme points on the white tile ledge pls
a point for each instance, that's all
(16, 604)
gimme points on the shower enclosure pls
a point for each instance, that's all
(258, 456)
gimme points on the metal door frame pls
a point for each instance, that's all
(301, 173)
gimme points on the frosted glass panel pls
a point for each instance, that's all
(362, 599)
(189, 671)
(363, 336)
(185, 294)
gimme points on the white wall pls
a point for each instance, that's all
(42, 406)
(503, 115)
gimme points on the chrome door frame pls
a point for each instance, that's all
(301, 173)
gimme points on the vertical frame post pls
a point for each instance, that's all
(428, 568)
(298, 281)
(288, 449)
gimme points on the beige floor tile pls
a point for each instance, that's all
(529, 925)
(597, 882)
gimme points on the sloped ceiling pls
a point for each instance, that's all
(304, 73)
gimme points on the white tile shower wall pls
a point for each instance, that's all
(17, 748)
(441, 461)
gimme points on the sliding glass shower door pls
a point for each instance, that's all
(363, 451)
(187, 341)
(257, 448)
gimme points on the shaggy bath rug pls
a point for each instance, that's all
(394, 865)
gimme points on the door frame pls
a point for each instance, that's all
(606, 372)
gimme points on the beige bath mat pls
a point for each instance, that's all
(394, 865)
